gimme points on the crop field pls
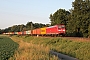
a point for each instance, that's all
(7, 48)
(37, 48)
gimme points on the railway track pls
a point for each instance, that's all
(81, 39)
(77, 39)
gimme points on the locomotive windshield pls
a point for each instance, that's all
(61, 26)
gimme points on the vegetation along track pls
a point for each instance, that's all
(39, 47)
(29, 51)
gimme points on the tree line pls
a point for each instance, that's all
(22, 27)
(77, 20)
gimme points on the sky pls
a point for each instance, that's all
(15, 12)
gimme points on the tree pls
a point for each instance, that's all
(28, 25)
(47, 25)
(80, 17)
(38, 25)
(0, 31)
(14, 28)
(21, 27)
(34, 25)
(59, 17)
(89, 31)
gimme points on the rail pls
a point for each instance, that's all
(61, 56)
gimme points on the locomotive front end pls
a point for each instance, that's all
(61, 29)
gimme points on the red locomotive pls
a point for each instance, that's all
(57, 29)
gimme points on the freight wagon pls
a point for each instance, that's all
(28, 32)
(43, 31)
(38, 31)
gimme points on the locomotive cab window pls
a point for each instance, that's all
(63, 26)
(59, 26)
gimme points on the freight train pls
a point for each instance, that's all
(55, 30)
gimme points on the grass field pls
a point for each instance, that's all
(30, 51)
(37, 48)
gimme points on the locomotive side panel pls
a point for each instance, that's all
(52, 30)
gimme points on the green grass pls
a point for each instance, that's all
(77, 49)
(31, 51)
(7, 48)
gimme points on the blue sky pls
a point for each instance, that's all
(14, 12)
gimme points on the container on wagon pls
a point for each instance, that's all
(15, 33)
(3, 33)
(24, 32)
(7, 33)
(38, 31)
(19, 33)
(10, 33)
(28, 32)
(43, 30)
(34, 31)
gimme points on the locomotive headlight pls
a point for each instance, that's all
(63, 30)
(59, 30)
